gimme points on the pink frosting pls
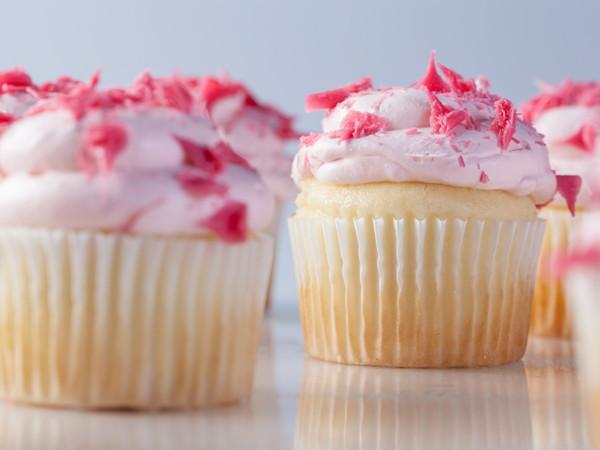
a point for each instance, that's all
(139, 160)
(447, 130)
(568, 115)
(257, 132)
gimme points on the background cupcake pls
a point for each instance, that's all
(582, 279)
(255, 132)
(416, 238)
(131, 273)
(568, 115)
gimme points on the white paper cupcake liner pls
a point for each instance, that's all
(104, 320)
(365, 408)
(583, 286)
(549, 310)
(273, 231)
(415, 292)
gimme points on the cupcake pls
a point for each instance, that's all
(416, 235)
(581, 271)
(568, 115)
(132, 268)
(255, 132)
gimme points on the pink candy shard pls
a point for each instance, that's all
(432, 81)
(15, 80)
(229, 223)
(457, 83)
(310, 139)
(568, 186)
(412, 131)
(63, 85)
(461, 161)
(227, 155)
(584, 138)
(101, 144)
(443, 119)
(200, 156)
(505, 123)
(329, 99)
(213, 89)
(360, 124)
(483, 177)
(172, 92)
(198, 184)
(5, 120)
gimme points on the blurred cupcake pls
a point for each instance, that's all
(554, 397)
(568, 115)
(582, 269)
(416, 236)
(255, 132)
(131, 270)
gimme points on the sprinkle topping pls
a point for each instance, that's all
(443, 119)
(504, 124)
(432, 81)
(357, 125)
(584, 138)
(329, 99)
(568, 186)
(101, 145)
(229, 223)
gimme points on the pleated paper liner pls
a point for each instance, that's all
(554, 393)
(273, 231)
(415, 292)
(105, 320)
(583, 286)
(549, 312)
(366, 408)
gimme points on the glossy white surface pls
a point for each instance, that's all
(301, 403)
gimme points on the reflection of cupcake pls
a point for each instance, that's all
(416, 237)
(582, 268)
(130, 273)
(349, 407)
(556, 419)
(568, 115)
(24, 428)
(256, 132)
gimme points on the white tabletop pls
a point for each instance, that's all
(299, 403)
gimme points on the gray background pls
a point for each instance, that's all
(286, 49)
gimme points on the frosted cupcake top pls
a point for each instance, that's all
(445, 130)
(255, 131)
(136, 160)
(568, 115)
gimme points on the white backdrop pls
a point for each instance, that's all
(285, 49)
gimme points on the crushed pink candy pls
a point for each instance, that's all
(505, 123)
(584, 138)
(568, 186)
(329, 99)
(229, 222)
(101, 144)
(360, 124)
